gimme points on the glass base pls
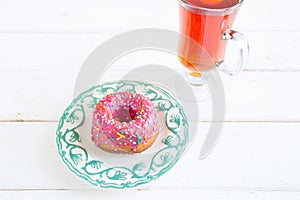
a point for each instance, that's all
(199, 84)
(201, 93)
(194, 78)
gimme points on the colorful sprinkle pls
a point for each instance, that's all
(120, 136)
(139, 139)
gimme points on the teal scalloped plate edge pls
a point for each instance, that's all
(78, 161)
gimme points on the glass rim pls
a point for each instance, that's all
(211, 10)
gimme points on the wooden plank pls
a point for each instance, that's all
(69, 51)
(249, 157)
(254, 94)
(251, 96)
(268, 53)
(78, 16)
(148, 195)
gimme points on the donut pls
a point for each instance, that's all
(124, 122)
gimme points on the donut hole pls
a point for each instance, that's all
(124, 114)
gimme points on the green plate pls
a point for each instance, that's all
(108, 170)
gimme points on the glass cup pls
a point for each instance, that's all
(208, 23)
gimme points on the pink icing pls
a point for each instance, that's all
(124, 119)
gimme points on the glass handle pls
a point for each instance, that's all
(238, 55)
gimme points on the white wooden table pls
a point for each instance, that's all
(42, 47)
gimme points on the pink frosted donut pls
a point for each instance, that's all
(124, 122)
